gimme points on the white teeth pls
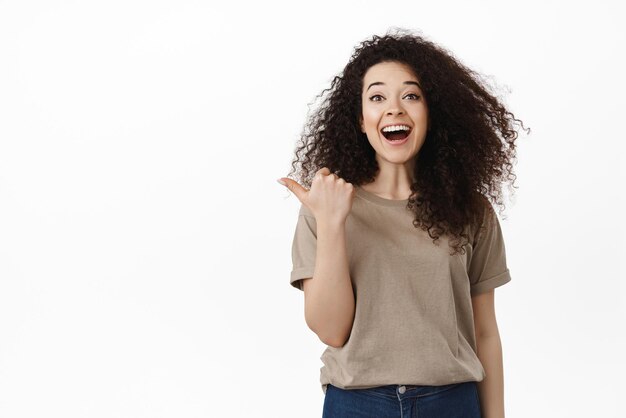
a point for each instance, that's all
(394, 128)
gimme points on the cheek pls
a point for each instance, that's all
(370, 117)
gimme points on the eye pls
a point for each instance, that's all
(378, 95)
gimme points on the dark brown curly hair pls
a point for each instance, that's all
(467, 152)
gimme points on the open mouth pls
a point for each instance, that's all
(397, 135)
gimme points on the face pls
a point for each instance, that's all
(392, 96)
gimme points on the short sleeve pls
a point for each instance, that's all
(303, 248)
(487, 267)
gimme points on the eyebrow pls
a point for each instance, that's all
(375, 83)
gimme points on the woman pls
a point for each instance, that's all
(397, 248)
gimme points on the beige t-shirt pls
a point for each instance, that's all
(413, 321)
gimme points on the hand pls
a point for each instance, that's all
(330, 197)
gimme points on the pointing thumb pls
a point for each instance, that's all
(294, 187)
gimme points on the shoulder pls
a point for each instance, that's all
(305, 211)
(480, 218)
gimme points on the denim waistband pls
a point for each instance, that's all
(395, 391)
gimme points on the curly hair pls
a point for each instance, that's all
(467, 152)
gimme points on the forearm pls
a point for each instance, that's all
(330, 304)
(491, 388)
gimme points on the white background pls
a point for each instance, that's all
(145, 246)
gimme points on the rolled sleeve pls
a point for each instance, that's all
(303, 248)
(488, 268)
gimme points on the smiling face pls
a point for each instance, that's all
(392, 96)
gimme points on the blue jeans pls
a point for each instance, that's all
(456, 400)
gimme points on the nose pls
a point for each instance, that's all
(394, 108)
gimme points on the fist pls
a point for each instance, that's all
(330, 197)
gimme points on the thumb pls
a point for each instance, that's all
(295, 188)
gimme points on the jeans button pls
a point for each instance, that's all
(402, 389)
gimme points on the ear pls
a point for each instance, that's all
(361, 124)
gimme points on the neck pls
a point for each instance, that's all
(393, 181)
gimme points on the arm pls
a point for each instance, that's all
(491, 388)
(328, 297)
